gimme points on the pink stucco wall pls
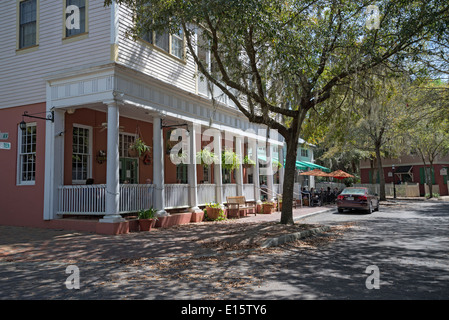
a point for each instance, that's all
(21, 205)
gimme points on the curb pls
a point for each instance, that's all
(313, 213)
(272, 242)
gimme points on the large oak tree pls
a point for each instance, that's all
(279, 60)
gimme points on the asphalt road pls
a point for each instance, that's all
(404, 246)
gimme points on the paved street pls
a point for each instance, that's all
(406, 241)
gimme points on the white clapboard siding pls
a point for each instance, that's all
(22, 76)
(143, 58)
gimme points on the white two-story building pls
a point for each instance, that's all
(75, 92)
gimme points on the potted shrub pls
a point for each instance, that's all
(206, 157)
(138, 148)
(147, 219)
(268, 207)
(214, 212)
(229, 160)
(248, 162)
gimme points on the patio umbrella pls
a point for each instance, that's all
(340, 174)
(315, 172)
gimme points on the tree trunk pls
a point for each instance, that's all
(289, 182)
(382, 196)
(429, 179)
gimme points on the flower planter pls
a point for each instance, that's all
(146, 224)
(268, 208)
(213, 213)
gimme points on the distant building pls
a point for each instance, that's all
(409, 169)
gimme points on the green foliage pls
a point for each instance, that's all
(139, 146)
(229, 160)
(249, 161)
(206, 157)
(221, 214)
(147, 214)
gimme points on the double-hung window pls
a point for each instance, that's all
(170, 43)
(28, 23)
(27, 155)
(81, 154)
(75, 21)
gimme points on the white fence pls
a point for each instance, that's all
(229, 190)
(176, 195)
(248, 192)
(402, 190)
(83, 199)
(90, 199)
(206, 193)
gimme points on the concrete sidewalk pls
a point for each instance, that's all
(22, 244)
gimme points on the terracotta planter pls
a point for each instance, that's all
(213, 213)
(268, 208)
(146, 224)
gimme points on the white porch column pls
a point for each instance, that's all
(192, 173)
(282, 169)
(158, 167)
(269, 168)
(112, 167)
(256, 173)
(239, 171)
(218, 176)
(54, 163)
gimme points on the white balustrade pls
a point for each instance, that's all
(248, 191)
(82, 199)
(206, 193)
(90, 199)
(229, 190)
(135, 197)
(176, 195)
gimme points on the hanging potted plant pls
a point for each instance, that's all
(138, 148)
(248, 162)
(206, 157)
(276, 165)
(147, 219)
(229, 160)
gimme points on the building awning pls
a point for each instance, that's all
(403, 169)
(312, 166)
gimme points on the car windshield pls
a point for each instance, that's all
(353, 191)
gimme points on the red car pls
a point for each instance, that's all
(357, 198)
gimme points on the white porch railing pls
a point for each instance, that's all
(176, 195)
(229, 190)
(135, 197)
(90, 199)
(248, 191)
(206, 193)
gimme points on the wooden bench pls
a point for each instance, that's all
(239, 203)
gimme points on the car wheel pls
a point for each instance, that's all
(370, 208)
(340, 210)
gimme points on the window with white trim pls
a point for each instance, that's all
(81, 154)
(304, 153)
(27, 23)
(125, 141)
(27, 155)
(170, 43)
(81, 5)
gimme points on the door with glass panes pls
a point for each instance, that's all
(128, 166)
